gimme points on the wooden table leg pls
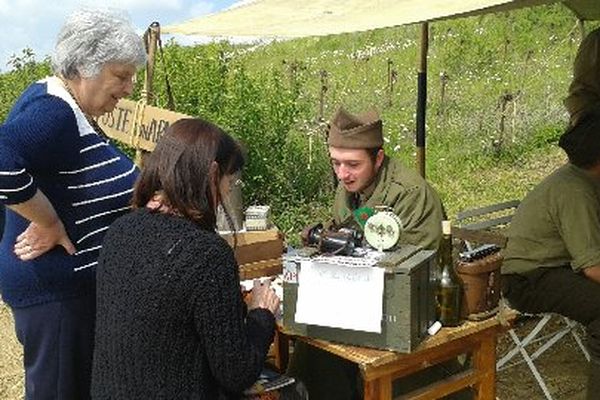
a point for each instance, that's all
(484, 360)
(281, 345)
(378, 389)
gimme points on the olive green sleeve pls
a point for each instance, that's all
(420, 212)
(579, 226)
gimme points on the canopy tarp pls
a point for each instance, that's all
(293, 18)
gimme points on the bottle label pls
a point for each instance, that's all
(449, 305)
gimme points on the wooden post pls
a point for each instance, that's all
(499, 142)
(389, 72)
(151, 37)
(293, 71)
(422, 98)
(390, 83)
(506, 47)
(444, 81)
(524, 74)
(323, 75)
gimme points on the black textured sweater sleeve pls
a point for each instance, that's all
(236, 346)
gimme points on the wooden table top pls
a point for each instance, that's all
(260, 269)
(370, 358)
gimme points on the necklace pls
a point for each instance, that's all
(94, 124)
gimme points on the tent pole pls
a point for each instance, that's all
(153, 32)
(151, 39)
(422, 98)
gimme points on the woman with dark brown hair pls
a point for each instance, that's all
(171, 321)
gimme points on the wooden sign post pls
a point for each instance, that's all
(137, 124)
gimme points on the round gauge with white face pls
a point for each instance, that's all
(382, 230)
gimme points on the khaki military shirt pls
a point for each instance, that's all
(409, 196)
(557, 224)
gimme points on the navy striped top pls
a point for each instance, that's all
(46, 143)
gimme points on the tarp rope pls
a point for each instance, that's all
(170, 98)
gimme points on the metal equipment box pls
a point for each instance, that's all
(408, 302)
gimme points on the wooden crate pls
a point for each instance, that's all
(258, 253)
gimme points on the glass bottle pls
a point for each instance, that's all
(449, 290)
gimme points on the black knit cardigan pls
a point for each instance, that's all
(171, 321)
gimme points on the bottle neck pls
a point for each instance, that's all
(446, 251)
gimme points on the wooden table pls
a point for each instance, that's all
(260, 269)
(380, 368)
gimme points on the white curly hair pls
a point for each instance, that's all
(91, 38)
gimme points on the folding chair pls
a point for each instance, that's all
(484, 225)
(522, 345)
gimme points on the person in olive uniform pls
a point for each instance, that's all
(368, 178)
(552, 258)
(584, 91)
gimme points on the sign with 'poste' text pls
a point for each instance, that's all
(137, 124)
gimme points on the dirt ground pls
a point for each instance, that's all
(563, 367)
(11, 375)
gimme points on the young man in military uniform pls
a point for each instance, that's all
(552, 259)
(368, 179)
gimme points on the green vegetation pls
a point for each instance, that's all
(25, 71)
(496, 85)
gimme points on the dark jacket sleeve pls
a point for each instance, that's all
(236, 347)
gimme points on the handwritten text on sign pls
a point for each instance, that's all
(340, 296)
(136, 124)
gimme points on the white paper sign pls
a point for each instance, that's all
(290, 270)
(338, 296)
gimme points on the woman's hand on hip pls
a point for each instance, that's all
(37, 240)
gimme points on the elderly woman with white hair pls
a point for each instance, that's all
(63, 184)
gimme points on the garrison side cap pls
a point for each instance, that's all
(363, 131)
